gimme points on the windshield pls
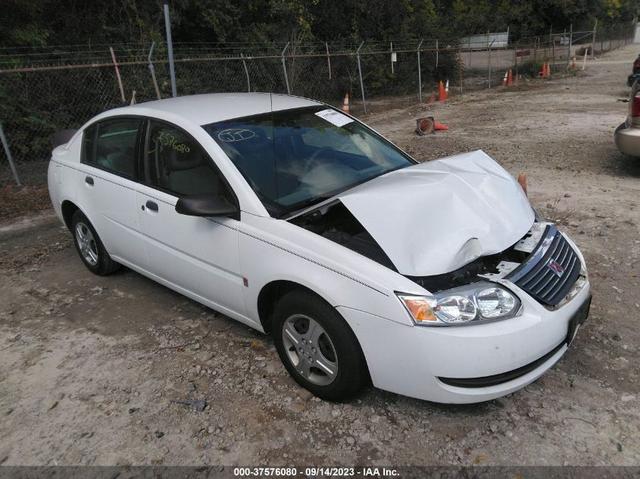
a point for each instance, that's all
(296, 158)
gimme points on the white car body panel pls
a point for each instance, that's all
(112, 201)
(200, 254)
(436, 217)
(429, 219)
(273, 250)
(478, 351)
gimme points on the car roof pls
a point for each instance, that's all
(213, 107)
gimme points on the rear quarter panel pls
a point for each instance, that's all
(62, 174)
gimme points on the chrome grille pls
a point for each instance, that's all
(551, 269)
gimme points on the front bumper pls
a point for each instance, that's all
(628, 140)
(411, 360)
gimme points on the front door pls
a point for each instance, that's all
(198, 256)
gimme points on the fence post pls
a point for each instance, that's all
(246, 72)
(593, 40)
(5, 145)
(460, 65)
(391, 56)
(172, 69)
(419, 74)
(489, 59)
(570, 43)
(284, 68)
(153, 71)
(437, 53)
(328, 59)
(364, 103)
(115, 64)
(515, 62)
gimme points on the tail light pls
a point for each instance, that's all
(635, 105)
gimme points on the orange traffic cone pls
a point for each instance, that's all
(541, 72)
(437, 126)
(548, 70)
(442, 94)
(510, 78)
(522, 180)
(505, 78)
(345, 103)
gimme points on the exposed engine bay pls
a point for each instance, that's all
(491, 267)
(336, 223)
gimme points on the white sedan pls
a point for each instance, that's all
(432, 280)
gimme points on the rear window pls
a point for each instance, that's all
(111, 145)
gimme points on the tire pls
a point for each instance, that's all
(294, 315)
(90, 247)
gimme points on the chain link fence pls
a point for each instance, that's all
(42, 92)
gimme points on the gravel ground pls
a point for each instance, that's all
(91, 368)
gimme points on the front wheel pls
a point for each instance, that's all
(317, 347)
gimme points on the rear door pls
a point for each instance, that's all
(196, 255)
(107, 185)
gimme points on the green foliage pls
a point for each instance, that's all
(60, 22)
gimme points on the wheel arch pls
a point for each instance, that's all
(68, 208)
(272, 292)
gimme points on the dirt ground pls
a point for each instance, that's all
(90, 367)
(15, 201)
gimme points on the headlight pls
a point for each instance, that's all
(474, 303)
(455, 309)
(495, 302)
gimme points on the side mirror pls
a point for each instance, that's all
(207, 205)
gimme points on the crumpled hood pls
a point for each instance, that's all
(438, 216)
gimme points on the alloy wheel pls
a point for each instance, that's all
(310, 349)
(87, 244)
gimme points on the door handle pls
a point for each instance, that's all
(88, 180)
(152, 205)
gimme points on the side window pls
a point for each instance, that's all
(111, 145)
(175, 162)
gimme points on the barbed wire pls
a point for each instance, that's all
(129, 52)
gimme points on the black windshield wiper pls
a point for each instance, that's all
(316, 200)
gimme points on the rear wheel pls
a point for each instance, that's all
(317, 347)
(89, 247)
